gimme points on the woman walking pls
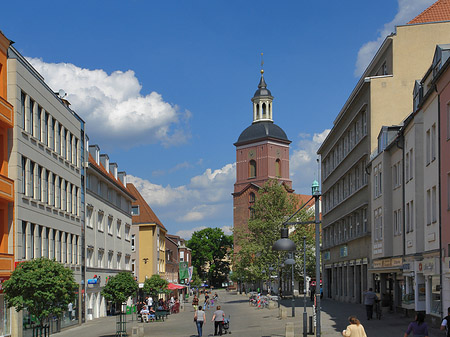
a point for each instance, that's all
(354, 329)
(199, 318)
(419, 328)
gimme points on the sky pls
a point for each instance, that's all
(165, 86)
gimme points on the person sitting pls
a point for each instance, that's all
(152, 314)
(144, 314)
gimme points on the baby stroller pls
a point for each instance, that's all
(226, 325)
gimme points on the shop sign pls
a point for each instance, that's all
(328, 266)
(396, 262)
(387, 263)
(377, 263)
(351, 263)
(358, 261)
(92, 281)
(406, 266)
(428, 266)
(365, 260)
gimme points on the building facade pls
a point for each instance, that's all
(147, 240)
(46, 164)
(381, 97)
(6, 187)
(108, 229)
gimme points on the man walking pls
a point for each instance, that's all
(369, 300)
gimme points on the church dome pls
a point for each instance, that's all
(260, 130)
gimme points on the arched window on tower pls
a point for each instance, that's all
(264, 110)
(252, 169)
(278, 168)
(257, 111)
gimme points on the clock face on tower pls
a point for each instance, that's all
(251, 154)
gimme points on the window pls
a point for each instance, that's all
(127, 232)
(110, 221)
(427, 147)
(252, 169)
(100, 221)
(39, 241)
(411, 161)
(182, 256)
(22, 109)
(31, 180)
(110, 258)
(39, 183)
(135, 210)
(119, 260)
(133, 247)
(433, 142)
(428, 207)
(119, 228)
(278, 168)
(433, 204)
(100, 258)
(24, 240)
(252, 197)
(89, 257)
(31, 118)
(32, 226)
(46, 129)
(24, 176)
(38, 123)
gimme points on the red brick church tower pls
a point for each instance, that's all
(262, 152)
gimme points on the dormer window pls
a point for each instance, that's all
(135, 210)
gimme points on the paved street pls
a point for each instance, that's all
(251, 322)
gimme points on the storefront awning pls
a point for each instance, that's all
(173, 286)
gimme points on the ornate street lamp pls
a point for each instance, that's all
(284, 244)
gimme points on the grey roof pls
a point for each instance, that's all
(260, 130)
(262, 89)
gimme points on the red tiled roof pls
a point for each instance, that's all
(107, 174)
(439, 11)
(303, 199)
(146, 214)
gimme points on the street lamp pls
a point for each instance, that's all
(291, 261)
(316, 195)
(305, 314)
(284, 244)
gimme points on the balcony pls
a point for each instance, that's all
(6, 113)
(6, 189)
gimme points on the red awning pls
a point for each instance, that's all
(172, 286)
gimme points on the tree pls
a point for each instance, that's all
(119, 288)
(272, 207)
(43, 286)
(156, 285)
(210, 248)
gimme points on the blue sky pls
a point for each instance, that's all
(165, 86)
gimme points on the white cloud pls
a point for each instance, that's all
(407, 10)
(187, 233)
(303, 165)
(206, 197)
(112, 105)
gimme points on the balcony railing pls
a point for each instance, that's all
(6, 113)
(6, 188)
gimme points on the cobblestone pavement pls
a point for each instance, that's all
(247, 321)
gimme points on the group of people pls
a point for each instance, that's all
(147, 308)
(200, 316)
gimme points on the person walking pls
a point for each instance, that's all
(218, 318)
(206, 300)
(195, 302)
(354, 329)
(419, 328)
(445, 325)
(199, 318)
(369, 300)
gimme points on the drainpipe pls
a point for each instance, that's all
(401, 145)
(439, 203)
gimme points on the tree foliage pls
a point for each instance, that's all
(210, 248)
(120, 287)
(156, 285)
(43, 286)
(255, 257)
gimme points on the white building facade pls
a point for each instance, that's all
(108, 229)
(46, 165)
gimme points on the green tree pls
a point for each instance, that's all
(210, 248)
(156, 285)
(271, 208)
(43, 286)
(119, 288)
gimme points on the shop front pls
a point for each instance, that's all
(428, 268)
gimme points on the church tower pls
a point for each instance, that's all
(262, 153)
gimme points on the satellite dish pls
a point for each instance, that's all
(62, 93)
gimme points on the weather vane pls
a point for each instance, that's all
(262, 63)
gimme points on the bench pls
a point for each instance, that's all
(161, 314)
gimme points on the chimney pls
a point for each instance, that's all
(104, 159)
(113, 169)
(123, 177)
(94, 150)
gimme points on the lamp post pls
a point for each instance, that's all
(305, 314)
(316, 195)
(291, 261)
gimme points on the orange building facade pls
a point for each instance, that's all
(6, 187)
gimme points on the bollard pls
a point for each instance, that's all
(290, 329)
(311, 326)
(134, 331)
(282, 313)
(141, 330)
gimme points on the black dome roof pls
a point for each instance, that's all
(260, 130)
(262, 89)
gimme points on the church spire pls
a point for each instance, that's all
(262, 100)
